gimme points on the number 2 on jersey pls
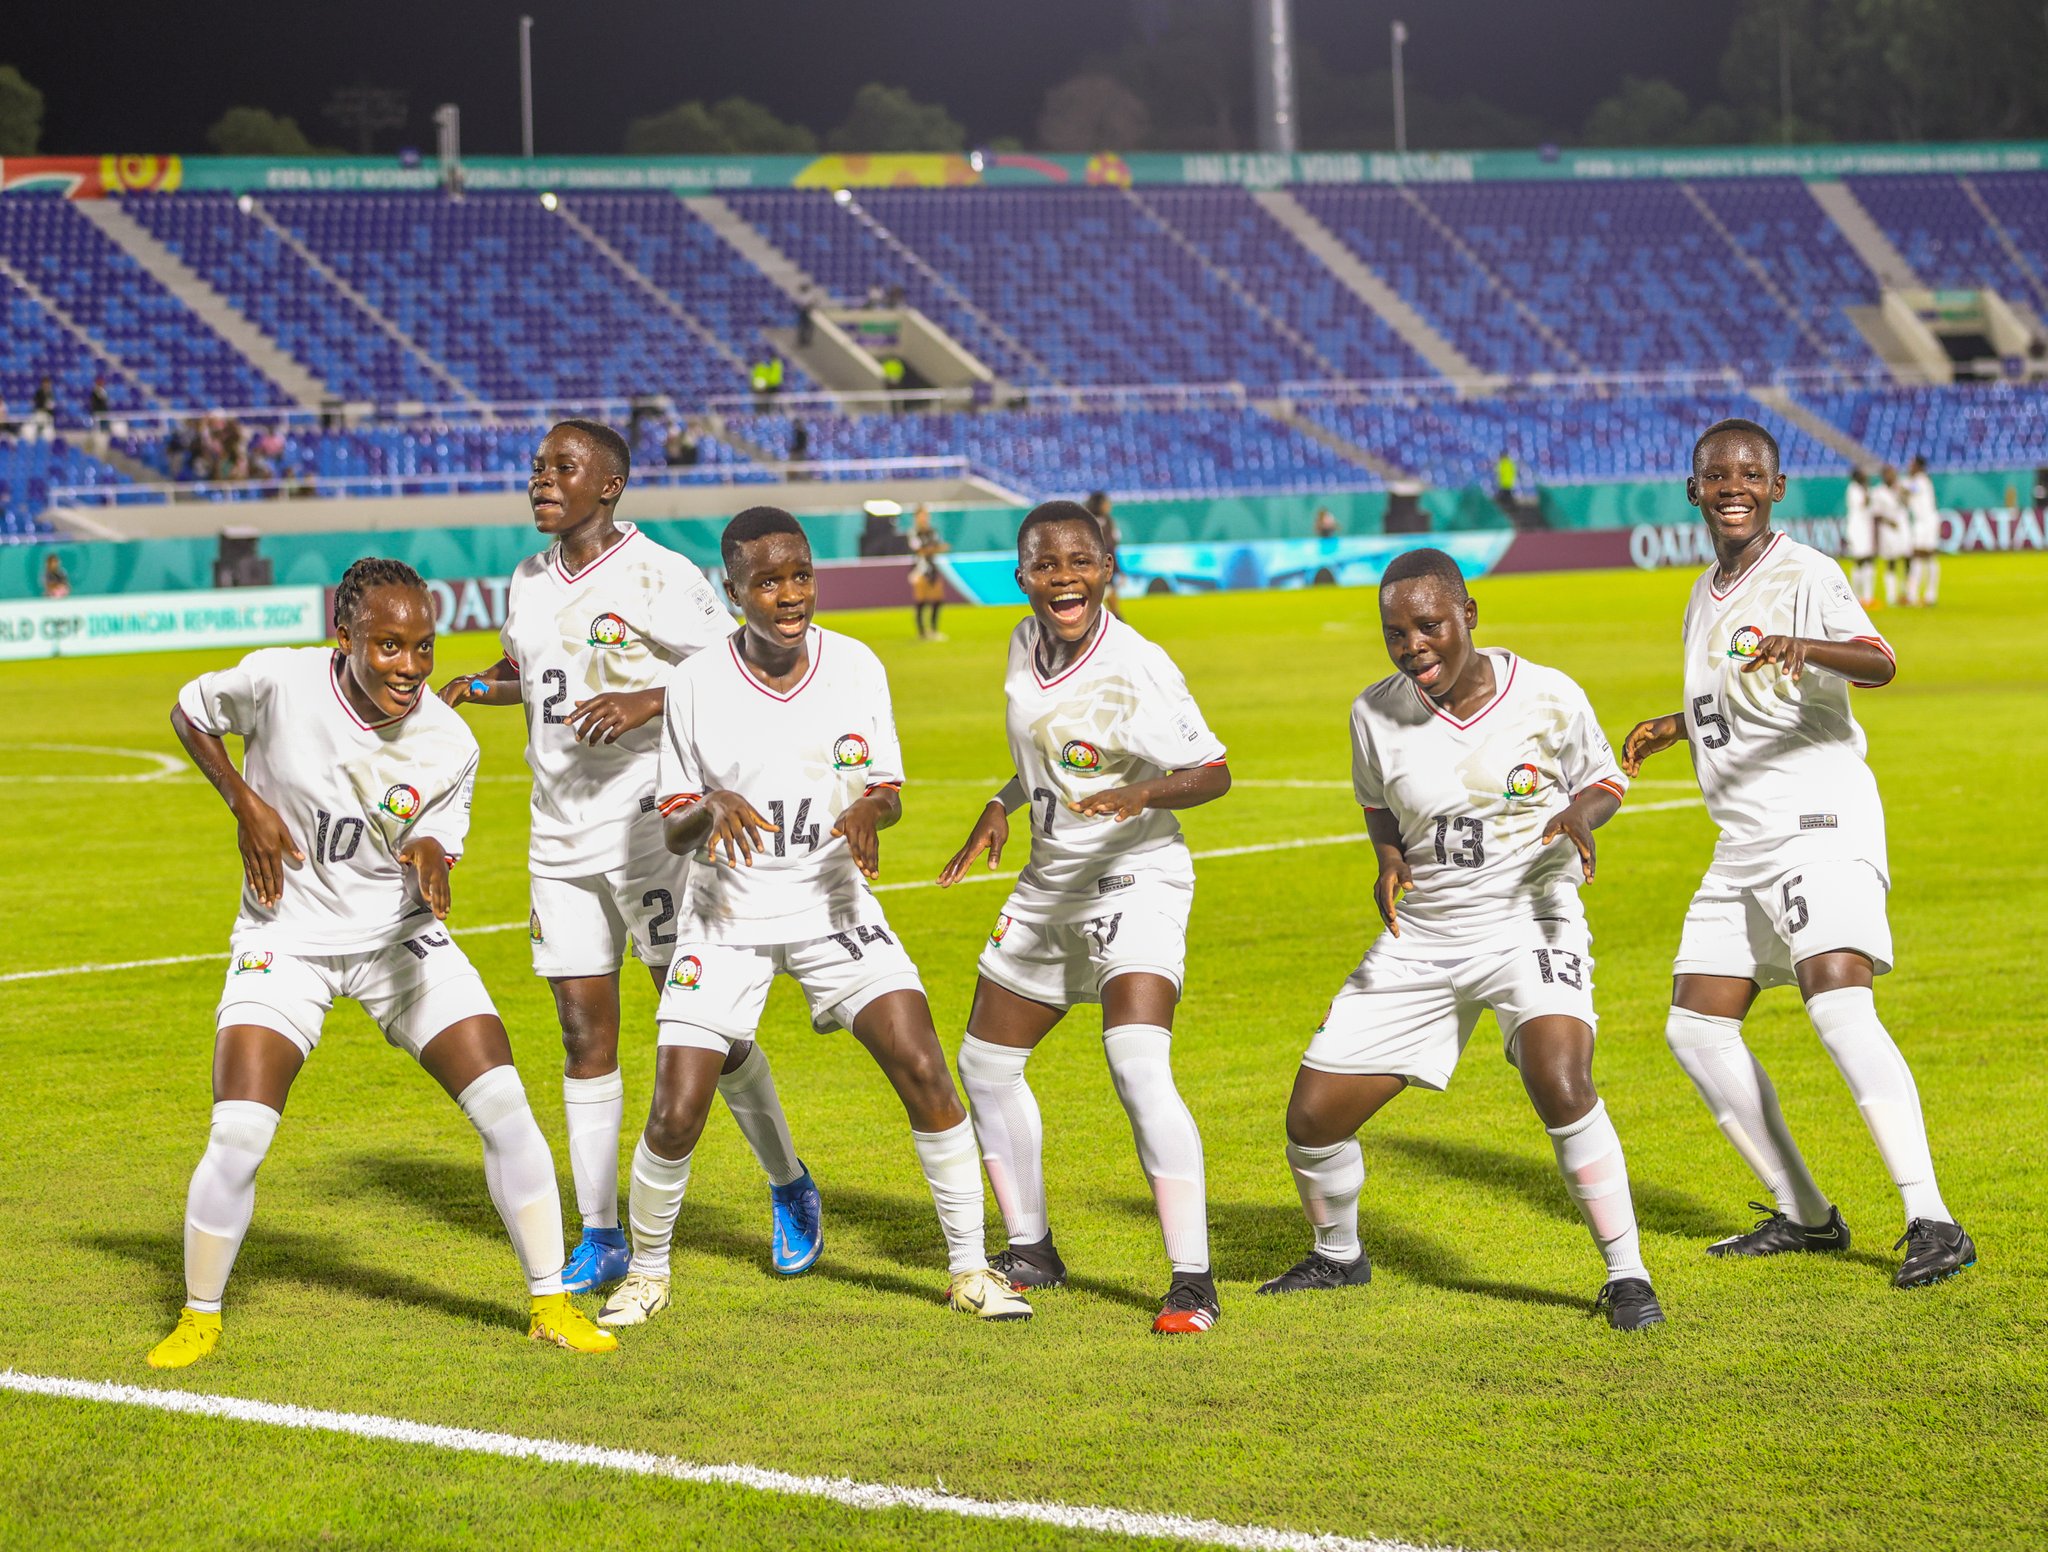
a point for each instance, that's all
(558, 681)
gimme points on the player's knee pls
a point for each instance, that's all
(674, 1123)
(1309, 1125)
(1686, 1031)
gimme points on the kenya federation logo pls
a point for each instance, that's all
(533, 932)
(850, 753)
(1521, 782)
(686, 973)
(1078, 756)
(607, 630)
(400, 802)
(1002, 926)
(1745, 641)
(254, 962)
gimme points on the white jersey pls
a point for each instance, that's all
(1859, 527)
(351, 793)
(1120, 713)
(1894, 527)
(1472, 799)
(1780, 761)
(800, 756)
(621, 623)
(1924, 512)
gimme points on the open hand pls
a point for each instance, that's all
(1788, 652)
(429, 863)
(1570, 822)
(860, 823)
(602, 718)
(265, 840)
(465, 687)
(736, 826)
(1648, 738)
(991, 833)
(1117, 803)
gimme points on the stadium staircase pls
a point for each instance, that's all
(1865, 235)
(219, 314)
(2037, 292)
(1360, 280)
(647, 286)
(1284, 411)
(1564, 356)
(115, 368)
(1749, 261)
(753, 245)
(1854, 453)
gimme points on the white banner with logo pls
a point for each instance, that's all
(162, 622)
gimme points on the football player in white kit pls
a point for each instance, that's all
(1106, 743)
(1894, 531)
(779, 768)
(351, 807)
(1795, 892)
(1470, 764)
(1859, 538)
(594, 625)
(1923, 515)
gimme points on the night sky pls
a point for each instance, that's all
(152, 77)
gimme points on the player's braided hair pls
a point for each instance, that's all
(1435, 564)
(372, 571)
(1742, 427)
(609, 442)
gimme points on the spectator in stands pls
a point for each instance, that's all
(1326, 523)
(681, 449)
(42, 419)
(799, 442)
(98, 405)
(766, 376)
(1098, 505)
(56, 580)
(875, 295)
(806, 321)
(894, 296)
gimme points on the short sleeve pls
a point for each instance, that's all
(885, 749)
(1827, 610)
(1367, 785)
(1585, 758)
(679, 774)
(446, 817)
(1167, 729)
(689, 616)
(231, 700)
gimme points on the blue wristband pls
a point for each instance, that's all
(479, 687)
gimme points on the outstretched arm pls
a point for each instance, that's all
(497, 685)
(260, 831)
(1648, 738)
(991, 833)
(1862, 662)
(1188, 788)
(1577, 821)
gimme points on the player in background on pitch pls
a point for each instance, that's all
(1859, 538)
(1470, 764)
(1106, 742)
(779, 769)
(1923, 524)
(594, 626)
(1795, 892)
(350, 809)
(1894, 531)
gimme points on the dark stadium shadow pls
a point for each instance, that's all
(1257, 1240)
(704, 1229)
(1659, 1209)
(306, 1261)
(454, 1193)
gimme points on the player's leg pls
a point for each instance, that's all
(1727, 950)
(1028, 979)
(1930, 564)
(593, 1105)
(1916, 573)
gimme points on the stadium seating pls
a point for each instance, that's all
(2019, 200)
(1941, 233)
(34, 345)
(29, 471)
(1783, 231)
(1968, 426)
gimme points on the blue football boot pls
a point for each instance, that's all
(601, 1258)
(797, 1212)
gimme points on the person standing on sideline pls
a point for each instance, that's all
(927, 586)
(1773, 642)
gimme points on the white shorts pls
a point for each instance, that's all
(1859, 539)
(1759, 933)
(1412, 1017)
(413, 989)
(584, 926)
(715, 991)
(1894, 541)
(1927, 533)
(1142, 930)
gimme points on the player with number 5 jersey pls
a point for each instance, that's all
(1482, 776)
(594, 627)
(1106, 743)
(1795, 894)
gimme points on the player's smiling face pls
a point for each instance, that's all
(774, 588)
(1429, 633)
(1735, 483)
(571, 482)
(1064, 570)
(390, 647)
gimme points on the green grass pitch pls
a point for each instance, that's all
(1466, 1398)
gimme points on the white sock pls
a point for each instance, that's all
(520, 1173)
(1883, 1087)
(658, 1186)
(1738, 1092)
(1169, 1146)
(595, 1108)
(222, 1197)
(1933, 577)
(1915, 574)
(1330, 1180)
(749, 1092)
(1891, 583)
(952, 1168)
(1589, 1158)
(1012, 1138)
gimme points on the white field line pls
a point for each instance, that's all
(1304, 843)
(639, 1463)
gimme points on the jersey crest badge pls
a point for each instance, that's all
(400, 802)
(254, 962)
(686, 973)
(850, 753)
(1002, 926)
(533, 932)
(1521, 782)
(607, 630)
(1745, 641)
(1080, 757)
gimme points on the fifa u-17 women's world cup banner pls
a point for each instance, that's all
(162, 622)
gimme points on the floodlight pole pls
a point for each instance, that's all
(526, 87)
(1273, 79)
(1400, 36)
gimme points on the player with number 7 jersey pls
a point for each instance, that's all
(1482, 777)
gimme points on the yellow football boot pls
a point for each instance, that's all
(556, 1320)
(196, 1334)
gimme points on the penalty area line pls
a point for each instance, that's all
(1304, 843)
(867, 1496)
